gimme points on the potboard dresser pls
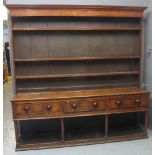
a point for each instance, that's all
(76, 75)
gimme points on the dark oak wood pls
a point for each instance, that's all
(75, 10)
(12, 48)
(127, 102)
(106, 126)
(77, 75)
(62, 130)
(79, 28)
(80, 114)
(76, 59)
(78, 93)
(95, 7)
(79, 103)
(84, 105)
(35, 108)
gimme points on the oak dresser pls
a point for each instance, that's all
(76, 75)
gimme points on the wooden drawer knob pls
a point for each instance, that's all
(137, 102)
(74, 106)
(49, 107)
(119, 103)
(95, 104)
(26, 108)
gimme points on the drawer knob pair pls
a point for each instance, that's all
(119, 103)
(26, 108)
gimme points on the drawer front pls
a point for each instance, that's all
(127, 101)
(34, 108)
(137, 100)
(115, 102)
(81, 105)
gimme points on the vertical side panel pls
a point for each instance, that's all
(140, 60)
(12, 55)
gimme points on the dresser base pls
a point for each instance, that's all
(49, 120)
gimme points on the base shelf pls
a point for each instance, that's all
(79, 135)
(21, 147)
(125, 130)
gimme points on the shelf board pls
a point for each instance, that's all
(76, 58)
(77, 75)
(77, 28)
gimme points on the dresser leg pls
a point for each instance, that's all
(17, 131)
(106, 126)
(146, 121)
(62, 129)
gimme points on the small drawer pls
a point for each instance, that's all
(34, 108)
(81, 105)
(115, 102)
(127, 101)
(137, 100)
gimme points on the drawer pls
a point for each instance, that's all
(137, 100)
(80, 105)
(34, 108)
(127, 101)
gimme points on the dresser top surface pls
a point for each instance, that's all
(78, 93)
(104, 7)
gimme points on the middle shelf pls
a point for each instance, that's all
(78, 28)
(77, 75)
(75, 58)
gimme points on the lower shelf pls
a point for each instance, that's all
(79, 135)
(22, 147)
(126, 130)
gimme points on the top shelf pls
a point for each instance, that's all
(79, 28)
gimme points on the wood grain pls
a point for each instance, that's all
(77, 75)
(79, 29)
(78, 93)
(76, 58)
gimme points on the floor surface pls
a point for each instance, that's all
(134, 147)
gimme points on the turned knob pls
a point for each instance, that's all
(95, 104)
(48, 107)
(26, 108)
(74, 105)
(137, 102)
(119, 103)
(68, 101)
